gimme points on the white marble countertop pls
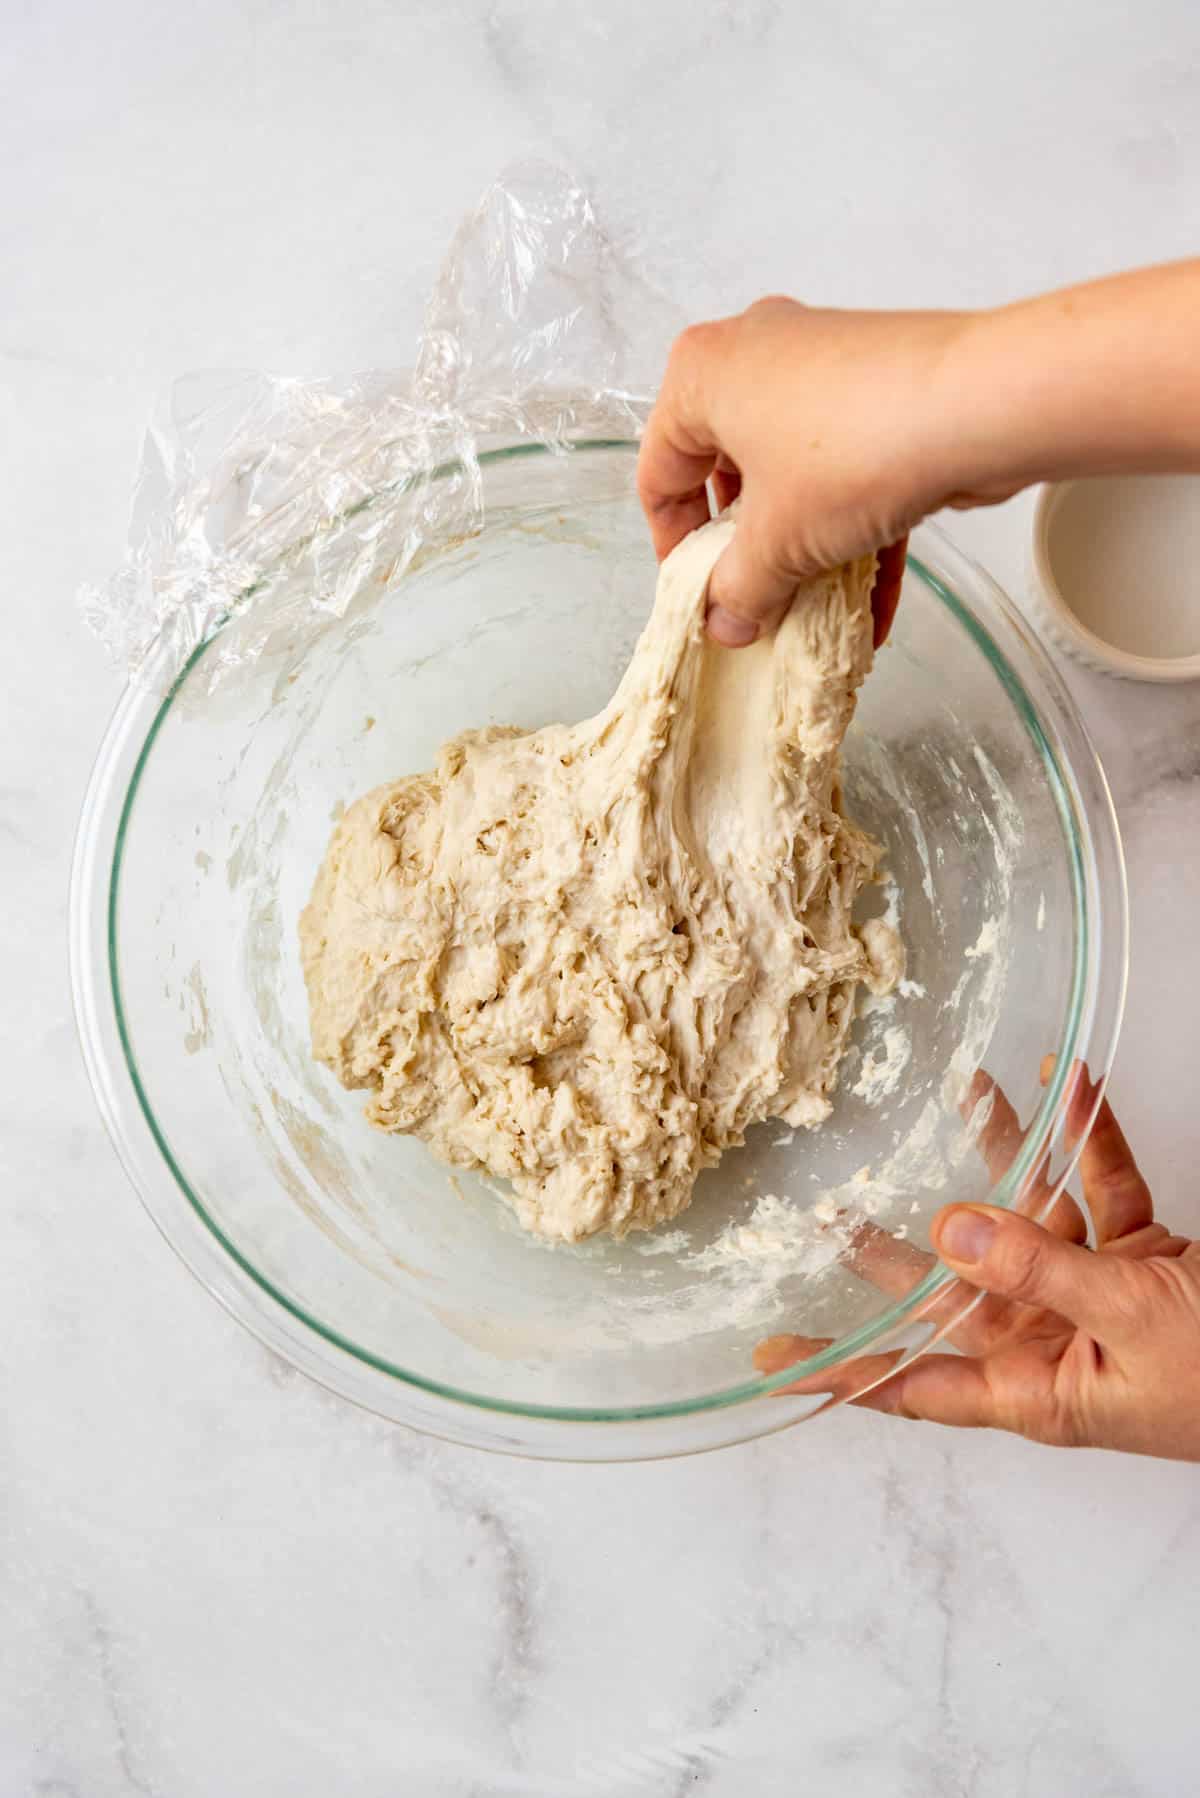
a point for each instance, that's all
(216, 1579)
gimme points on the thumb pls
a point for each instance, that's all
(750, 587)
(1014, 1258)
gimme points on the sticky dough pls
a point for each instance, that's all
(587, 958)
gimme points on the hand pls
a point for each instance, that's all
(827, 425)
(841, 430)
(1072, 1347)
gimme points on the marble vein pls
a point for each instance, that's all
(115, 1696)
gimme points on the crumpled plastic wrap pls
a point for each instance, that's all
(272, 503)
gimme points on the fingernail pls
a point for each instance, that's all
(966, 1235)
(728, 628)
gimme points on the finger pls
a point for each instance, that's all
(679, 448)
(1080, 1096)
(999, 1138)
(844, 1381)
(775, 1353)
(671, 481)
(1113, 1186)
(891, 1265)
(885, 595)
(949, 1389)
(1019, 1391)
(1116, 1193)
(1012, 1257)
(750, 587)
(726, 483)
(986, 1111)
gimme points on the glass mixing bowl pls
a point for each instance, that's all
(412, 1290)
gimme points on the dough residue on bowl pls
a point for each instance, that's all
(586, 958)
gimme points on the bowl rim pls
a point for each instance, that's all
(240, 1286)
(1079, 638)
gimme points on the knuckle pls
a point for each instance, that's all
(689, 379)
(772, 303)
(1117, 1180)
(693, 345)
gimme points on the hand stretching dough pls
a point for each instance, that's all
(586, 958)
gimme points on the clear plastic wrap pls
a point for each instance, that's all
(277, 503)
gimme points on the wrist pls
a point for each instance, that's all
(992, 418)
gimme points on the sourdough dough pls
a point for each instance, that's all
(586, 958)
